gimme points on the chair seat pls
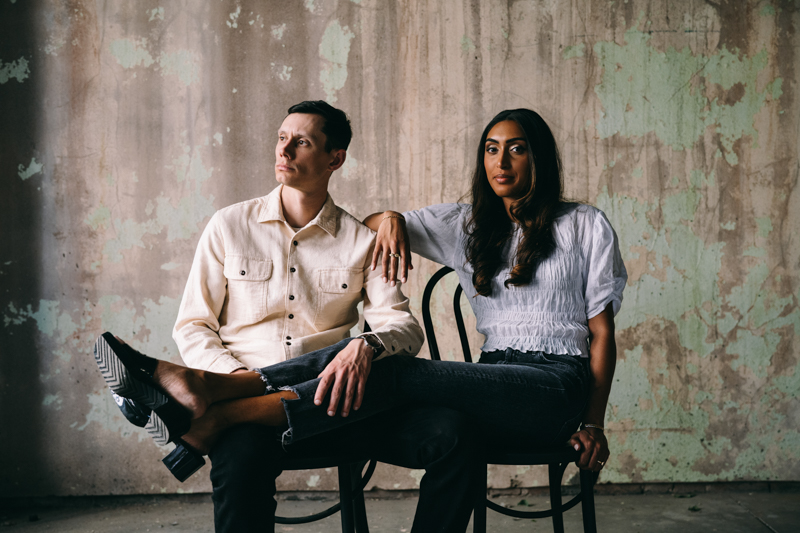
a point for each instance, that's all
(543, 456)
(309, 463)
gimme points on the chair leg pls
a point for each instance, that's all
(346, 498)
(479, 512)
(359, 507)
(587, 501)
(555, 473)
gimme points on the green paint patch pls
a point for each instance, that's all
(100, 218)
(131, 53)
(233, 21)
(17, 70)
(33, 168)
(350, 168)
(278, 30)
(156, 14)
(467, 44)
(683, 275)
(764, 226)
(182, 64)
(729, 226)
(180, 217)
(334, 49)
(51, 322)
(571, 52)
(677, 95)
(755, 251)
(53, 400)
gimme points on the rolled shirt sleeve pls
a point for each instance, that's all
(196, 330)
(606, 275)
(386, 310)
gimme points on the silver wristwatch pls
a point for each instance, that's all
(374, 343)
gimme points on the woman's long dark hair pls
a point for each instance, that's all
(489, 228)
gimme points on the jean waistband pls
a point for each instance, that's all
(512, 356)
(508, 355)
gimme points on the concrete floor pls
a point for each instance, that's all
(728, 512)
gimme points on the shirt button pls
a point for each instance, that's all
(344, 286)
(295, 243)
(291, 316)
(288, 344)
(242, 272)
(288, 338)
(291, 296)
(293, 269)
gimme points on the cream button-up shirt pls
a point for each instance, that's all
(258, 293)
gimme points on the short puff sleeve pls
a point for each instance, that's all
(435, 232)
(606, 275)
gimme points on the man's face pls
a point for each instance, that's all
(301, 161)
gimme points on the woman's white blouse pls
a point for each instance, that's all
(583, 275)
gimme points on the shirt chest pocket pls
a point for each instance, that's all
(248, 286)
(338, 293)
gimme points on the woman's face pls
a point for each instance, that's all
(505, 158)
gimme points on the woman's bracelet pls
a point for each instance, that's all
(593, 426)
(401, 217)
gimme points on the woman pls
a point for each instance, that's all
(545, 279)
(542, 275)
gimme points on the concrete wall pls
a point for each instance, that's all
(127, 123)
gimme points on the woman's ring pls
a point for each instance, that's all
(394, 255)
(601, 463)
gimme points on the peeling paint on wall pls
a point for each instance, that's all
(277, 31)
(334, 50)
(677, 94)
(133, 53)
(33, 168)
(180, 217)
(17, 69)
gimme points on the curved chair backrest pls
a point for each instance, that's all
(433, 346)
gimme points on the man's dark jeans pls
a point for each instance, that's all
(247, 459)
(525, 398)
(520, 399)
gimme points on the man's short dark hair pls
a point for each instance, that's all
(336, 127)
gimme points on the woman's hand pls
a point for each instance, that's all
(392, 248)
(593, 446)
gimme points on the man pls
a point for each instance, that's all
(279, 276)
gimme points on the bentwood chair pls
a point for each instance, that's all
(351, 491)
(557, 459)
(351, 488)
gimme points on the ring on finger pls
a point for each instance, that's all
(601, 463)
(394, 255)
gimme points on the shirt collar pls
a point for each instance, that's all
(272, 211)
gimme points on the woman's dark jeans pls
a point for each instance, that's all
(523, 399)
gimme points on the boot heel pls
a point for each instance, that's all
(183, 461)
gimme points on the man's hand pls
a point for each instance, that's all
(391, 244)
(593, 446)
(347, 374)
